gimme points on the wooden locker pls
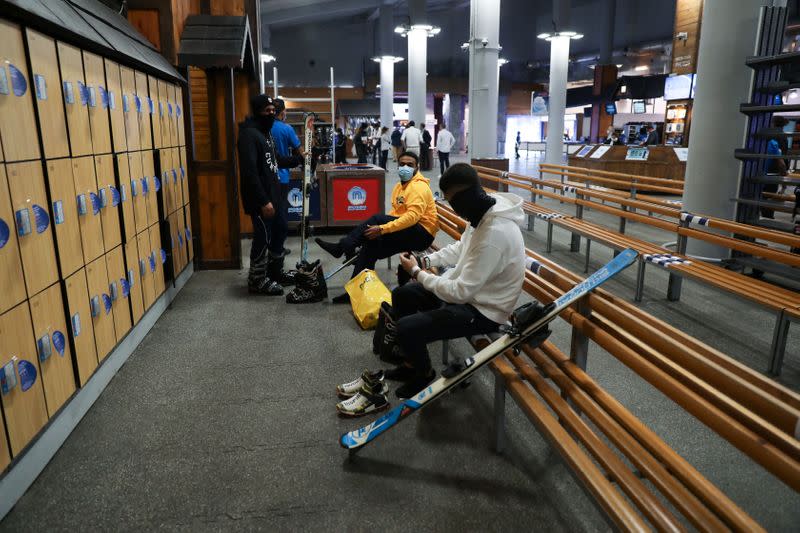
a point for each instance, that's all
(22, 395)
(11, 278)
(119, 288)
(76, 99)
(165, 158)
(166, 117)
(64, 209)
(109, 200)
(146, 269)
(134, 279)
(177, 178)
(145, 110)
(17, 119)
(128, 101)
(155, 116)
(101, 307)
(49, 98)
(177, 256)
(88, 205)
(81, 329)
(137, 191)
(55, 357)
(175, 196)
(181, 235)
(125, 198)
(188, 233)
(36, 246)
(151, 197)
(115, 106)
(172, 109)
(98, 103)
(184, 174)
(179, 116)
(160, 256)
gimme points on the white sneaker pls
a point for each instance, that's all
(364, 402)
(348, 390)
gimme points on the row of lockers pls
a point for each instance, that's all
(93, 208)
(86, 104)
(52, 343)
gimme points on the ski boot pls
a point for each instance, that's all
(276, 272)
(259, 283)
(310, 284)
(372, 379)
(369, 399)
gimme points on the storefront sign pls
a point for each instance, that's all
(355, 199)
(637, 154)
(294, 201)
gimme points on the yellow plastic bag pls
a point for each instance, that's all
(367, 292)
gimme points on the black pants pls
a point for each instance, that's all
(423, 156)
(384, 158)
(444, 161)
(270, 233)
(361, 152)
(423, 318)
(340, 155)
(415, 238)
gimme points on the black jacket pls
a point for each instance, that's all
(258, 167)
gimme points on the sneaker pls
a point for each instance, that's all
(348, 390)
(400, 373)
(264, 286)
(415, 385)
(364, 402)
(333, 248)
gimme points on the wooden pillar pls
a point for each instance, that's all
(605, 77)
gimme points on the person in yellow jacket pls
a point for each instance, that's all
(410, 226)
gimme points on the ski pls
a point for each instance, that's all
(519, 333)
(308, 141)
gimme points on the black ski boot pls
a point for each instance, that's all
(334, 248)
(310, 284)
(276, 272)
(259, 283)
(384, 316)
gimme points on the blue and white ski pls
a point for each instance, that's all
(354, 440)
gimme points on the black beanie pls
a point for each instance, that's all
(458, 174)
(259, 102)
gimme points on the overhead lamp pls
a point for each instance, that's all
(549, 36)
(502, 61)
(465, 46)
(266, 58)
(395, 59)
(619, 65)
(405, 29)
(641, 68)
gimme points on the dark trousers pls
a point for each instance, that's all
(260, 238)
(423, 318)
(423, 156)
(340, 156)
(444, 161)
(415, 238)
(270, 233)
(384, 158)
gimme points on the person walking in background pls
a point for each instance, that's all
(516, 146)
(385, 142)
(340, 147)
(397, 144)
(425, 147)
(444, 143)
(412, 138)
(360, 140)
(375, 142)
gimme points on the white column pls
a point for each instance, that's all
(559, 63)
(727, 37)
(387, 91)
(483, 79)
(417, 71)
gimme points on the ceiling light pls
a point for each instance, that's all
(405, 29)
(549, 36)
(378, 59)
(266, 58)
(623, 89)
(502, 61)
(465, 46)
(641, 68)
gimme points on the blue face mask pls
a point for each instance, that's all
(405, 173)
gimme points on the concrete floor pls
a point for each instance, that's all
(223, 419)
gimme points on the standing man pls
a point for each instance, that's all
(425, 147)
(516, 146)
(412, 138)
(340, 148)
(652, 136)
(444, 143)
(286, 144)
(261, 195)
(397, 144)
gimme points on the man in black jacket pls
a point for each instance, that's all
(261, 196)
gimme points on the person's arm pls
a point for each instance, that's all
(290, 161)
(248, 168)
(478, 268)
(415, 208)
(446, 256)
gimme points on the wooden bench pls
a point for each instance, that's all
(753, 413)
(615, 180)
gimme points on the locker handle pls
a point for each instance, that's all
(83, 91)
(18, 82)
(106, 302)
(138, 102)
(43, 347)
(112, 100)
(174, 176)
(142, 270)
(76, 324)
(103, 198)
(163, 256)
(40, 86)
(169, 108)
(188, 234)
(123, 193)
(58, 212)
(177, 110)
(133, 188)
(23, 217)
(152, 261)
(161, 109)
(183, 173)
(103, 96)
(81, 198)
(126, 288)
(156, 183)
(180, 238)
(5, 233)
(8, 376)
(145, 187)
(69, 93)
(92, 96)
(131, 278)
(94, 304)
(113, 291)
(95, 202)
(150, 104)
(125, 104)
(115, 196)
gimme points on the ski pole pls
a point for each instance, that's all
(341, 267)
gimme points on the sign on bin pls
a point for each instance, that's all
(294, 201)
(355, 199)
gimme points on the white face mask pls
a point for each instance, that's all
(406, 173)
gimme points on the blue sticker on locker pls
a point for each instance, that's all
(94, 305)
(82, 209)
(125, 105)
(3, 80)
(160, 108)
(177, 110)
(145, 186)
(156, 183)
(150, 105)
(123, 193)
(113, 291)
(27, 374)
(23, 222)
(115, 196)
(76, 325)
(138, 102)
(41, 217)
(107, 303)
(92, 96)
(103, 197)
(163, 256)
(40, 86)
(103, 96)
(44, 347)
(171, 241)
(152, 262)
(180, 239)
(8, 377)
(131, 278)
(142, 270)
(83, 91)
(69, 94)
(95, 203)
(174, 176)
(112, 101)
(133, 188)
(59, 342)
(183, 173)
(18, 82)
(188, 234)
(169, 108)
(5, 233)
(58, 212)
(126, 288)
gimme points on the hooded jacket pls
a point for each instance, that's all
(413, 203)
(258, 167)
(489, 262)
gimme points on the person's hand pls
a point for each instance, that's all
(267, 211)
(372, 232)
(408, 262)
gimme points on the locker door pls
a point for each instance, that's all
(65, 215)
(188, 233)
(173, 114)
(128, 102)
(160, 256)
(100, 306)
(177, 177)
(81, 329)
(137, 191)
(98, 103)
(179, 116)
(17, 119)
(166, 128)
(88, 205)
(151, 198)
(109, 200)
(166, 181)
(145, 110)
(155, 117)
(47, 88)
(146, 269)
(11, 278)
(119, 289)
(55, 356)
(29, 202)
(177, 256)
(115, 106)
(76, 99)
(180, 235)
(134, 279)
(125, 198)
(23, 399)
(184, 175)
(174, 164)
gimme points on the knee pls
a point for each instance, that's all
(400, 296)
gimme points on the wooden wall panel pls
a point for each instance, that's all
(101, 307)
(83, 171)
(200, 115)
(76, 99)
(98, 103)
(188, 233)
(114, 82)
(155, 119)
(137, 193)
(120, 291)
(55, 355)
(11, 278)
(65, 215)
(80, 325)
(145, 110)
(17, 118)
(109, 200)
(129, 108)
(29, 202)
(126, 200)
(151, 196)
(133, 271)
(148, 291)
(688, 17)
(49, 97)
(146, 21)
(179, 109)
(213, 215)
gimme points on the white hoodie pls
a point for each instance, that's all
(489, 262)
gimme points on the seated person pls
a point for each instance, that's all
(411, 224)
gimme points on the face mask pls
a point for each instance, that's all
(265, 122)
(471, 204)
(405, 173)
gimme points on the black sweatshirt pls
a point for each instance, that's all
(258, 167)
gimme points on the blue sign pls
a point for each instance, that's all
(145, 187)
(44, 347)
(95, 203)
(174, 176)
(163, 256)
(5, 233)
(115, 196)
(138, 102)
(82, 210)
(18, 82)
(126, 287)
(59, 342)
(103, 96)
(294, 200)
(83, 92)
(152, 262)
(8, 377)
(107, 303)
(76, 324)
(150, 104)
(103, 197)
(27, 374)
(58, 212)
(40, 86)
(41, 217)
(156, 183)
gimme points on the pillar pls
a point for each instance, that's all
(727, 37)
(559, 64)
(387, 60)
(417, 62)
(484, 50)
(605, 72)
(455, 120)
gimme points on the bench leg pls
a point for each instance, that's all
(674, 287)
(499, 430)
(445, 352)
(778, 344)
(575, 243)
(531, 220)
(639, 281)
(549, 237)
(389, 262)
(586, 264)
